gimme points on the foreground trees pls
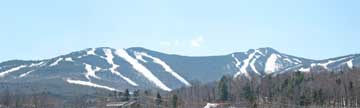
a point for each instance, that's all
(223, 89)
(293, 89)
(320, 89)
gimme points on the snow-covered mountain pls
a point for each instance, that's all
(139, 68)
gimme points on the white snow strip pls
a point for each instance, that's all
(142, 69)
(211, 105)
(291, 68)
(313, 64)
(139, 57)
(36, 64)
(297, 60)
(109, 58)
(91, 51)
(325, 64)
(69, 59)
(288, 60)
(304, 69)
(90, 72)
(246, 63)
(270, 65)
(252, 65)
(2, 74)
(350, 63)
(257, 51)
(330, 62)
(167, 68)
(25, 74)
(237, 65)
(56, 62)
(86, 83)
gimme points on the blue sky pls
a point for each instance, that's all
(316, 29)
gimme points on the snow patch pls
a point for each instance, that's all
(36, 64)
(211, 105)
(2, 74)
(325, 65)
(261, 53)
(69, 59)
(313, 64)
(25, 74)
(142, 69)
(91, 51)
(350, 64)
(167, 68)
(90, 84)
(297, 60)
(56, 62)
(270, 65)
(304, 69)
(291, 68)
(288, 60)
(139, 57)
(109, 58)
(90, 72)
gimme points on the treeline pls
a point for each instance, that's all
(11, 99)
(44, 99)
(293, 89)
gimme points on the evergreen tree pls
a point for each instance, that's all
(136, 94)
(126, 95)
(248, 93)
(158, 99)
(351, 85)
(223, 89)
(321, 97)
(174, 101)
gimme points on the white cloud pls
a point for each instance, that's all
(196, 42)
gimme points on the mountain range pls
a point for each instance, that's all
(111, 69)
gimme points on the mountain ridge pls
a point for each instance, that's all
(141, 68)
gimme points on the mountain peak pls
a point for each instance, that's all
(267, 49)
(138, 48)
(263, 51)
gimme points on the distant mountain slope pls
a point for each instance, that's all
(139, 68)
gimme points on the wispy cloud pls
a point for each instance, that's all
(197, 42)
